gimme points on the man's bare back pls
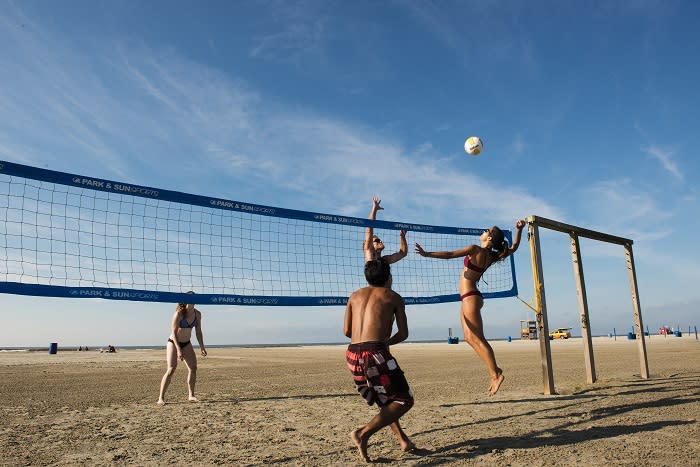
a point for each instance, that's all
(370, 315)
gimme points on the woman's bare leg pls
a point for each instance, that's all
(191, 361)
(171, 360)
(473, 327)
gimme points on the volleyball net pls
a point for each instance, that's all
(66, 235)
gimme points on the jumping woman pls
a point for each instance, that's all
(477, 259)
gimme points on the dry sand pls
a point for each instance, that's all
(297, 405)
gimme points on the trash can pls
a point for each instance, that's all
(677, 333)
(631, 336)
(53, 348)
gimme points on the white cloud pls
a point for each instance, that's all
(301, 31)
(617, 204)
(625, 208)
(486, 31)
(666, 159)
(139, 113)
(436, 20)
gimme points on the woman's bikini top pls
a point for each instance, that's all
(469, 265)
(185, 324)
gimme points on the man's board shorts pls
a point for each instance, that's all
(377, 375)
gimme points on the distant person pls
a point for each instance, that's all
(373, 245)
(179, 347)
(369, 317)
(477, 259)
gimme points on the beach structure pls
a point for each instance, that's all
(528, 329)
(574, 232)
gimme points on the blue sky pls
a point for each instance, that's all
(588, 112)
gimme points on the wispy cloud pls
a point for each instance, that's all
(623, 208)
(137, 113)
(299, 31)
(478, 30)
(618, 202)
(434, 18)
(664, 155)
(54, 107)
(666, 158)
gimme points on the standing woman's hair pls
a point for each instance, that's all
(182, 307)
(499, 245)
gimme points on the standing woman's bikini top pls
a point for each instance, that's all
(185, 324)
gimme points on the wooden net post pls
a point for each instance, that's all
(541, 308)
(583, 308)
(637, 312)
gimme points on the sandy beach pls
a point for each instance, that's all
(297, 405)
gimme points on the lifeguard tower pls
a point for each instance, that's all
(528, 329)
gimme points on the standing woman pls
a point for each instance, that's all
(179, 347)
(492, 248)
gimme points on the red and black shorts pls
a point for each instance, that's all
(377, 375)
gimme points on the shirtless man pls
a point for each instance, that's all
(369, 318)
(373, 245)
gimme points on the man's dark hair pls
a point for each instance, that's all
(377, 272)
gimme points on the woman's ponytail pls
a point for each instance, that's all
(499, 245)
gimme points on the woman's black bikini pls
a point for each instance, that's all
(181, 344)
(184, 324)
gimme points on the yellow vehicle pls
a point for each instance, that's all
(560, 333)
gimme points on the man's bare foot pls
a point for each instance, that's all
(360, 443)
(408, 447)
(192, 399)
(160, 402)
(496, 383)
